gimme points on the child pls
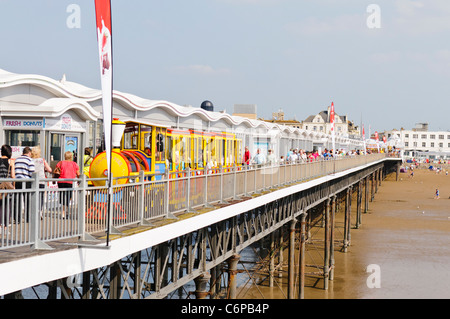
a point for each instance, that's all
(437, 194)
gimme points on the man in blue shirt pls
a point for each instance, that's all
(259, 158)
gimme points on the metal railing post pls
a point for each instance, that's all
(141, 199)
(34, 214)
(234, 182)
(221, 184)
(168, 214)
(84, 236)
(245, 179)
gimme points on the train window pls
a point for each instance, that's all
(130, 136)
(238, 151)
(188, 154)
(171, 148)
(160, 141)
(147, 142)
(199, 153)
(146, 139)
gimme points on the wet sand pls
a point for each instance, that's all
(406, 233)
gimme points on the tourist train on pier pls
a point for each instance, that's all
(60, 116)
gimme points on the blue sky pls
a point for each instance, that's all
(294, 55)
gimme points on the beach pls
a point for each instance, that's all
(401, 250)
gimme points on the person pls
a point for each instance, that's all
(41, 167)
(24, 168)
(293, 157)
(271, 158)
(87, 159)
(6, 171)
(69, 170)
(436, 196)
(259, 159)
(246, 156)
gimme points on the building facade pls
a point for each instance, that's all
(321, 123)
(421, 144)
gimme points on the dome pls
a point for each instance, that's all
(207, 106)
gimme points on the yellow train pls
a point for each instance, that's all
(154, 149)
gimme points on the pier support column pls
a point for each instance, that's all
(377, 177)
(332, 224)
(291, 260)
(232, 272)
(280, 255)
(200, 285)
(372, 177)
(115, 281)
(358, 204)
(137, 275)
(214, 282)
(347, 220)
(326, 264)
(302, 257)
(271, 259)
(366, 191)
(397, 171)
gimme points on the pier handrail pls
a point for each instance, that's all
(36, 215)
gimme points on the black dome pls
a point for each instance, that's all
(207, 106)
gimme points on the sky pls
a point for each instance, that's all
(383, 63)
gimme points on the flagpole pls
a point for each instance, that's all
(104, 37)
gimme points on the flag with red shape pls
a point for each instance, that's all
(104, 38)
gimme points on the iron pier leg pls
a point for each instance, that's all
(372, 177)
(303, 234)
(358, 204)
(86, 285)
(326, 265)
(115, 282)
(137, 275)
(200, 285)
(332, 223)
(366, 201)
(280, 255)
(272, 259)
(291, 266)
(232, 271)
(348, 200)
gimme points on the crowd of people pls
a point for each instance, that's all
(22, 168)
(296, 155)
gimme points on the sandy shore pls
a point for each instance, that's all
(407, 234)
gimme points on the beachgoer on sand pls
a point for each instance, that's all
(436, 196)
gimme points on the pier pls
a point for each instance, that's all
(168, 232)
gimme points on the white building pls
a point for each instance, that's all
(321, 123)
(421, 143)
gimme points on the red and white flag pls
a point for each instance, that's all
(332, 127)
(332, 117)
(364, 137)
(103, 18)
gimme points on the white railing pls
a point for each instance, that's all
(35, 216)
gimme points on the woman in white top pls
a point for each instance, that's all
(41, 166)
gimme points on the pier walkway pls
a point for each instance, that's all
(164, 231)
